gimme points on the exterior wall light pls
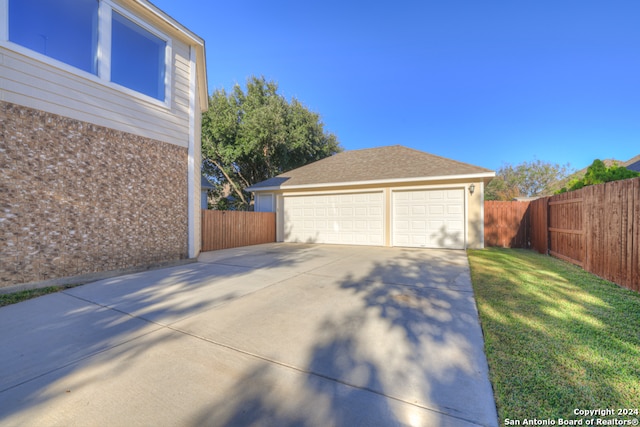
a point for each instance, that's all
(472, 188)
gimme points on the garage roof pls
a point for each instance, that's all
(371, 166)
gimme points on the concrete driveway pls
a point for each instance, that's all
(268, 335)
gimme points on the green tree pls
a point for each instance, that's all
(526, 179)
(249, 136)
(599, 173)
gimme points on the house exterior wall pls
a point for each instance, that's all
(31, 80)
(95, 176)
(79, 198)
(474, 205)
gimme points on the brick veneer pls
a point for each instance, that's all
(76, 198)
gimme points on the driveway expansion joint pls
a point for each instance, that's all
(406, 285)
(315, 374)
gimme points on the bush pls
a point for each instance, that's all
(599, 173)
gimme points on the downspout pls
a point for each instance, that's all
(191, 161)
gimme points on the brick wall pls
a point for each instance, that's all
(77, 198)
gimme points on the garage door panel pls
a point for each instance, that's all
(429, 218)
(455, 194)
(339, 218)
(418, 210)
(402, 210)
(418, 225)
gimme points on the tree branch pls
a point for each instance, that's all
(233, 184)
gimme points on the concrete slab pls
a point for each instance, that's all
(267, 335)
(165, 296)
(44, 334)
(295, 257)
(170, 379)
(419, 345)
(433, 268)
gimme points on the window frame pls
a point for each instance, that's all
(103, 77)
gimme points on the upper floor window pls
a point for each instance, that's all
(74, 31)
(137, 57)
(66, 30)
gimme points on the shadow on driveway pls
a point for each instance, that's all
(273, 335)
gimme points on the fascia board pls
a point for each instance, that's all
(172, 22)
(374, 182)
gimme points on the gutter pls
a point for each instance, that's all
(482, 175)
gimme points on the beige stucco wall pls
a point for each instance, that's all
(474, 205)
(475, 219)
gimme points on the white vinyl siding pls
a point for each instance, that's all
(354, 219)
(429, 218)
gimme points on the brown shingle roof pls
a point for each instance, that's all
(375, 164)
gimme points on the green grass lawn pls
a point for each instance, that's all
(15, 297)
(557, 338)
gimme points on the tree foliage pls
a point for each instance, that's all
(249, 136)
(526, 179)
(599, 173)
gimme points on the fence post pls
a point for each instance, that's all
(547, 234)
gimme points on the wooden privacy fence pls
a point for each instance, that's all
(597, 228)
(231, 229)
(506, 224)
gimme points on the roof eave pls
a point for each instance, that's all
(484, 176)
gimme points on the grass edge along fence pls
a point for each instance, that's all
(596, 227)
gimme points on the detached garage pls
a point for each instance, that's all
(387, 196)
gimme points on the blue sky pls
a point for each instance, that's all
(484, 82)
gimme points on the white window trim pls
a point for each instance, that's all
(4, 20)
(104, 41)
(104, 52)
(167, 53)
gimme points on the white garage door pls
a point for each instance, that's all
(354, 219)
(429, 218)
